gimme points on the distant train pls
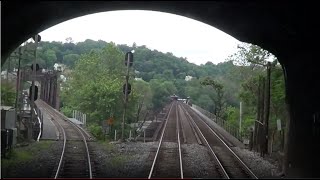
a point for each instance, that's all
(174, 97)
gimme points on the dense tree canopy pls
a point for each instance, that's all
(95, 75)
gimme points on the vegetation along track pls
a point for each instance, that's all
(75, 157)
(167, 162)
(228, 163)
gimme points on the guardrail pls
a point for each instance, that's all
(233, 130)
(39, 117)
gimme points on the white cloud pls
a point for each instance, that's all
(182, 36)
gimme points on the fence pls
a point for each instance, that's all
(79, 116)
(233, 130)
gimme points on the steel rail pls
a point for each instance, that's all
(64, 143)
(179, 145)
(160, 143)
(192, 127)
(208, 145)
(230, 150)
(87, 149)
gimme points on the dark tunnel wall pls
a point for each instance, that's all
(267, 25)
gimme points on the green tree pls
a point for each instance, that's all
(49, 57)
(8, 94)
(143, 92)
(70, 59)
(95, 85)
(219, 100)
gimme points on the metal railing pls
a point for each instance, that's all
(81, 117)
(39, 117)
(231, 129)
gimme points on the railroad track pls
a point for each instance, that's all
(228, 163)
(167, 162)
(75, 157)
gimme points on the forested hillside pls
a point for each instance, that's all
(95, 75)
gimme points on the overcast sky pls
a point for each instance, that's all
(182, 36)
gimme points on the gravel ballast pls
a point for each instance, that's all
(122, 160)
(197, 162)
(128, 160)
(261, 167)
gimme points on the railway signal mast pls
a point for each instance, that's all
(34, 68)
(126, 88)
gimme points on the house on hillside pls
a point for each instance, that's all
(188, 78)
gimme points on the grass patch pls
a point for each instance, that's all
(43, 144)
(119, 160)
(16, 157)
(23, 154)
(107, 146)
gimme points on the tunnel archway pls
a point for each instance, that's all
(283, 29)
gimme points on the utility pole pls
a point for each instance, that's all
(8, 67)
(261, 129)
(17, 90)
(267, 107)
(256, 124)
(240, 119)
(127, 89)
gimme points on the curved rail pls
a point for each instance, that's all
(64, 141)
(230, 150)
(63, 150)
(87, 149)
(81, 129)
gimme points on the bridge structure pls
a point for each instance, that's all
(47, 82)
(287, 30)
